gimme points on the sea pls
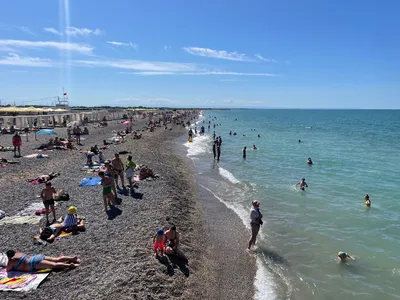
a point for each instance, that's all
(355, 152)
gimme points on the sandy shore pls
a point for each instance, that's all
(116, 253)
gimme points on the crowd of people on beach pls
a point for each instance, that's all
(112, 174)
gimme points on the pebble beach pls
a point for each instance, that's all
(115, 251)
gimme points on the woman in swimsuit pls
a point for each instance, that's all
(18, 261)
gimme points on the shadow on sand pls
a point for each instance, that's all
(113, 212)
(172, 262)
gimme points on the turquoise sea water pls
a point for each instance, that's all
(354, 152)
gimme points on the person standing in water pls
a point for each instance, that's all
(255, 223)
(367, 201)
(218, 151)
(303, 184)
(215, 149)
(244, 152)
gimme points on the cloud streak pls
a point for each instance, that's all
(121, 44)
(200, 73)
(52, 30)
(133, 67)
(82, 32)
(219, 54)
(15, 60)
(260, 57)
(79, 48)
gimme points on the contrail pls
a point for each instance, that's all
(65, 54)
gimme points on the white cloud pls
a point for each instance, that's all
(139, 65)
(80, 48)
(220, 54)
(130, 44)
(15, 60)
(82, 32)
(200, 73)
(260, 57)
(166, 47)
(26, 30)
(52, 30)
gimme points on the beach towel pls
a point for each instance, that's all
(91, 181)
(20, 281)
(31, 209)
(20, 220)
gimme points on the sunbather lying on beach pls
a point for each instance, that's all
(18, 261)
(45, 178)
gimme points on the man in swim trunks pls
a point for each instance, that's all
(18, 261)
(215, 149)
(118, 167)
(172, 243)
(107, 184)
(47, 196)
(303, 184)
(78, 133)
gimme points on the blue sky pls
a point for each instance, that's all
(283, 54)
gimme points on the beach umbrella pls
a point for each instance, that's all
(127, 122)
(46, 131)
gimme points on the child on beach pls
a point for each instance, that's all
(108, 195)
(130, 172)
(303, 184)
(367, 201)
(47, 196)
(71, 221)
(343, 256)
(159, 243)
(101, 157)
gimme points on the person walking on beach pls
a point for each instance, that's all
(78, 133)
(255, 223)
(17, 141)
(107, 184)
(130, 171)
(215, 149)
(118, 167)
(47, 196)
(218, 151)
(244, 152)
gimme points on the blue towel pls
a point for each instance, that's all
(91, 181)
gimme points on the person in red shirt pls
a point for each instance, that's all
(17, 141)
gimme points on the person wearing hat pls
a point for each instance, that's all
(71, 221)
(256, 222)
(159, 243)
(343, 256)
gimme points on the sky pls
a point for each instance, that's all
(245, 54)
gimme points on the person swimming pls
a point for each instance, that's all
(343, 256)
(309, 161)
(299, 141)
(254, 147)
(303, 184)
(367, 201)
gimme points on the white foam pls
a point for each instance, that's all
(263, 291)
(228, 175)
(200, 144)
(263, 281)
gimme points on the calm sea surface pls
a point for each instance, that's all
(355, 152)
